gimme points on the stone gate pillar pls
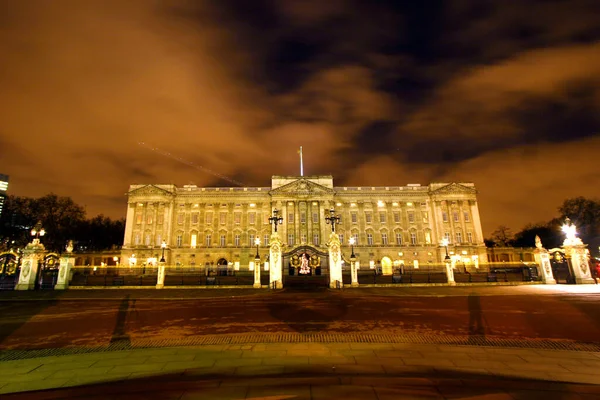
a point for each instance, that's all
(335, 261)
(160, 279)
(353, 272)
(32, 255)
(275, 262)
(64, 268)
(578, 258)
(450, 273)
(542, 258)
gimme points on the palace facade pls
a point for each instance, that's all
(217, 226)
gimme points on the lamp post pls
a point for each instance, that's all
(445, 243)
(257, 265)
(353, 272)
(37, 231)
(332, 219)
(163, 245)
(570, 232)
(257, 243)
(275, 220)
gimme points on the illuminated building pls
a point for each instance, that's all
(391, 226)
(3, 190)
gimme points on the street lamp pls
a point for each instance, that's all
(38, 231)
(569, 230)
(257, 243)
(445, 243)
(332, 219)
(275, 220)
(351, 241)
(353, 274)
(163, 245)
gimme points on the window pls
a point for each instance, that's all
(222, 218)
(341, 238)
(237, 218)
(180, 218)
(179, 240)
(209, 216)
(138, 219)
(158, 240)
(353, 217)
(316, 239)
(160, 219)
(470, 237)
(251, 239)
(290, 239)
(370, 239)
(382, 217)
(208, 239)
(290, 218)
(447, 236)
(411, 217)
(303, 238)
(237, 240)
(384, 239)
(266, 240)
(458, 237)
(368, 217)
(444, 216)
(147, 240)
(455, 216)
(413, 238)
(303, 217)
(466, 216)
(251, 218)
(397, 217)
(355, 236)
(222, 240)
(149, 219)
(398, 238)
(137, 239)
(425, 216)
(193, 240)
(194, 218)
(428, 237)
(315, 218)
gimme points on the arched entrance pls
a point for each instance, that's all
(305, 266)
(560, 267)
(48, 271)
(222, 266)
(9, 272)
(386, 266)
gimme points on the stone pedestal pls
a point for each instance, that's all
(542, 259)
(353, 272)
(32, 254)
(160, 280)
(577, 256)
(275, 262)
(450, 274)
(335, 262)
(64, 272)
(257, 284)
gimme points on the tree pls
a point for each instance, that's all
(502, 236)
(585, 214)
(548, 235)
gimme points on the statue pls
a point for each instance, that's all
(69, 246)
(538, 242)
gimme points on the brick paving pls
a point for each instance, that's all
(307, 371)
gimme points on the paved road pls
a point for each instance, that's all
(513, 313)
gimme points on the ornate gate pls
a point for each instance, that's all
(9, 271)
(560, 267)
(305, 266)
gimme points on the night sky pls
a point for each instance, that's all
(505, 94)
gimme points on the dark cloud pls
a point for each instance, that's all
(378, 93)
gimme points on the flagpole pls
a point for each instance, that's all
(301, 164)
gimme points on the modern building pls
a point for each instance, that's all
(218, 226)
(3, 190)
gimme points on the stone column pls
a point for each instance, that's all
(577, 256)
(542, 259)
(353, 272)
(450, 273)
(160, 280)
(32, 254)
(275, 262)
(257, 284)
(64, 272)
(335, 261)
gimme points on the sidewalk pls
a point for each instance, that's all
(306, 371)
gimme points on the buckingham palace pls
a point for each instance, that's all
(384, 227)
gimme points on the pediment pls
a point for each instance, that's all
(149, 190)
(302, 187)
(454, 188)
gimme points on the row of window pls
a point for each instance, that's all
(194, 242)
